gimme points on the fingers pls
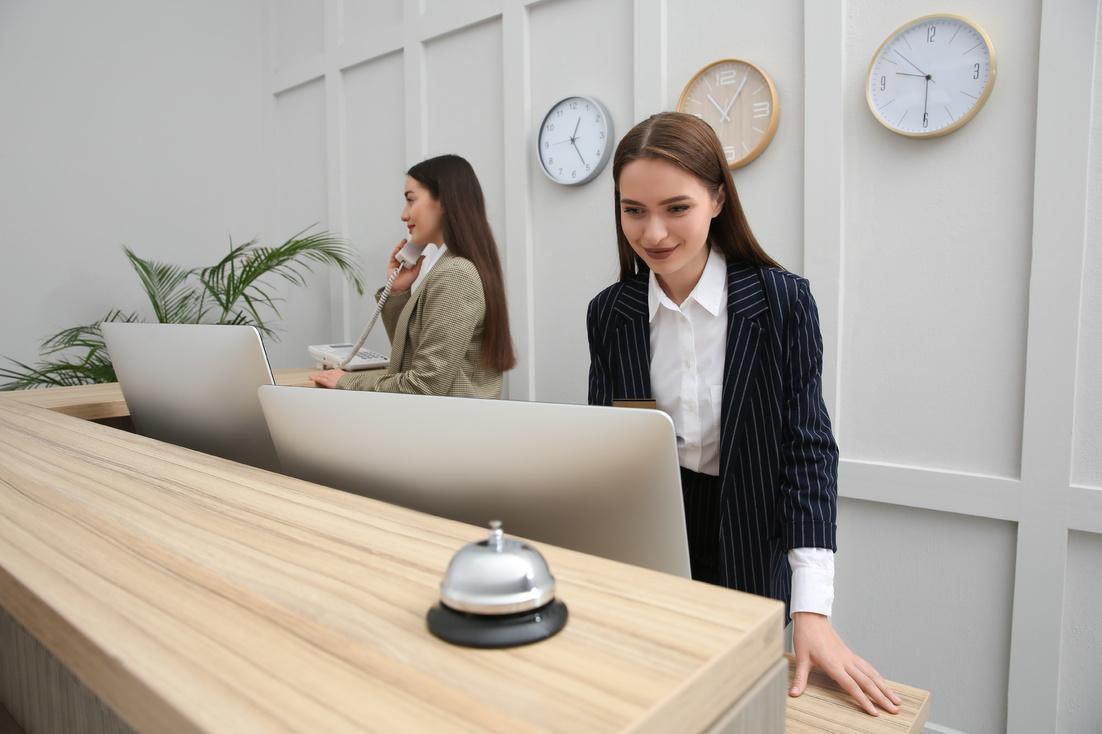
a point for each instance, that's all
(849, 685)
(882, 684)
(799, 681)
(399, 246)
(326, 379)
(868, 685)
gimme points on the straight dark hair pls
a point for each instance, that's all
(452, 182)
(691, 144)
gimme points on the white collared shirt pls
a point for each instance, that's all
(688, 345)
(432, 253)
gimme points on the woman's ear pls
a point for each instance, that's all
(718, 198)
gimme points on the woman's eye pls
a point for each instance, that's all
(632, 210)
(679, 208)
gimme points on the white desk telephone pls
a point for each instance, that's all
(353, 357)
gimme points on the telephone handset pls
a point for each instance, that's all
(353, 359)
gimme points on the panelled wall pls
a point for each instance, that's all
(958, 279)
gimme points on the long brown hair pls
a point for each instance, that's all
(689, 143)
(452, 182)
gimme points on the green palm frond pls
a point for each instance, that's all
(88, 336)
(94, 366)
(173, 299)
(237, 282)
(63, 373)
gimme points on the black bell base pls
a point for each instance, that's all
(502, 630)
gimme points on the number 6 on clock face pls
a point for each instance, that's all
(575, 140)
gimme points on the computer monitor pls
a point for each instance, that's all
(600, 480)
(194, 385)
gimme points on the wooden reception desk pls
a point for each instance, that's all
(151, 587)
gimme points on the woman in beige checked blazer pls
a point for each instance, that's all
(450, 335)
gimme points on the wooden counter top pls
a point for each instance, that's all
(192, 593)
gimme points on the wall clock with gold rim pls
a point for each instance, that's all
(931, 76)
(739, 100)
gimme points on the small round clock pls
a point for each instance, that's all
(575, 140)
(739, 101)
(931, 76)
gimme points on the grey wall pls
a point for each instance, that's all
(122, 123)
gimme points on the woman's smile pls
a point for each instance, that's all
(660, 253)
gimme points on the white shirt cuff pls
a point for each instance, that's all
(812, 580)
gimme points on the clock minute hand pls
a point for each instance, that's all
(920, 71)
(737, 93)
(578, 151)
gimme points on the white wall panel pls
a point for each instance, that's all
(769, 34)
(464, 109)
(1087, 467)
(1081, 653)
(362, 17)
(300, 31)
(937, 261)
(925, 597)
(579, 47)
(375, 161)
(300, 151)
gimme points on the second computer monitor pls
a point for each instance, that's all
(600, 480)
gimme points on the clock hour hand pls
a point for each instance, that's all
(927, 77)
(722, 113)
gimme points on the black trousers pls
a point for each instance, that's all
(701, 495)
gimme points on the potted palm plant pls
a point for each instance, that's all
(238, 289)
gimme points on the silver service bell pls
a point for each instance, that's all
(497, 592)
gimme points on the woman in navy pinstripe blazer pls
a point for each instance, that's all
(707, 325)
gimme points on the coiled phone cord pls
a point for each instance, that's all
(375, 317)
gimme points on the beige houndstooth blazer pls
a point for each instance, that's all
(435, 337)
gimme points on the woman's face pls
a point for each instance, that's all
(422, 214)
(665, 212)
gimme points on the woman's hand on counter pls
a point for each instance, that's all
(816, 643)
(328, 378)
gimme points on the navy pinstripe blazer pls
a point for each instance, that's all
(778, 462)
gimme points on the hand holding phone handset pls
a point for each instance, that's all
(406, 256)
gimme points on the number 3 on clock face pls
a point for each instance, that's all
(575, 140)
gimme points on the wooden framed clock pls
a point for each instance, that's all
(739, 100)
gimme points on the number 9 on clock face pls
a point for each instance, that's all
(575, 140)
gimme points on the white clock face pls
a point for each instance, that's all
(575, 140)
(931, 76)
